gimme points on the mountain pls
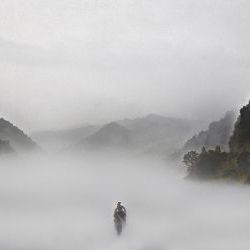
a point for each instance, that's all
(5, 147)
(17, 139)
(152, 134)
(61, 139)
(111, 135)
(240, 140)
(217, 134)
(218, 164)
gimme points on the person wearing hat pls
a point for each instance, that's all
(120, 211)
(120, 215)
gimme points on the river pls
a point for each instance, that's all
(67, 203)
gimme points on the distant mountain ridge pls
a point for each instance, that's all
(217, 164)
(15, 137)
(217, 134)
(110, 135)
(152, 134)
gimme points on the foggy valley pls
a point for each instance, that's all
(124, 125)
(64, 198)
(67, 203)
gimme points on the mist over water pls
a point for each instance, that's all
(100, 90)
(66, 203)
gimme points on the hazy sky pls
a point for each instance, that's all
(65, 62)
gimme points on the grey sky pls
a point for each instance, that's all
(65, 62)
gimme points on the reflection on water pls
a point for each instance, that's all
(68, 204)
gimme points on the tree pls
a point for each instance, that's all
(203, 150)
(190, 159)
(218, 149)
(243, 160)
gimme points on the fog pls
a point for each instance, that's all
(71, 62)
(168, 68)
(67, 203)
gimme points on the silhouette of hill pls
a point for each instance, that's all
(17, 139)
(111, 135)
(217, 134)
(5, 147)
(240, 140)
(152, 134)
(216, 164)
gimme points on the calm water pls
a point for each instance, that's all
(68, 204)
